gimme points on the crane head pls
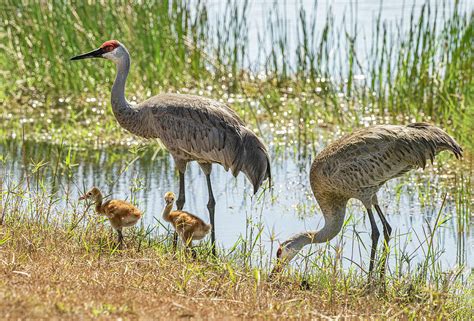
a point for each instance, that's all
(110, 49)
(92, 193)
(285, 253)
(170, 197)
(282, 258)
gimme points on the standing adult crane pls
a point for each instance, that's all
(192, 128)
(356, 166)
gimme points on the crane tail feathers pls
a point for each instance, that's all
(253, 160)
(434, 140)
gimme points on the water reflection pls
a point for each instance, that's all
(145, 175)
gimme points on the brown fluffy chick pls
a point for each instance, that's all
(120, 213)
(188, 226)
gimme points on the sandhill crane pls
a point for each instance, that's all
(356, 166)
(188, 226)
(120, 213)
(192, 128)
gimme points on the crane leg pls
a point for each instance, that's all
(182, 192)
(179, 203)
(387, 230)
(211, 205)
(375, 237)
(119, 239)
(188, 244)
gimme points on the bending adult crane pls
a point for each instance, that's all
(356, 166)
(192, 128)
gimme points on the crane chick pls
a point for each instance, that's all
(120, 213)
(188, 226)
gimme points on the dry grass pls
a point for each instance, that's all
(49, 272)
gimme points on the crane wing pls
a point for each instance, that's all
(207, 131)
(371, 156)
(197, 128)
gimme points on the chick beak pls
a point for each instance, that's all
(83, 197)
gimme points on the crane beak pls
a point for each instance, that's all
(276, 270)
(92, 54)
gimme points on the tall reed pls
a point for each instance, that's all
(419, 68)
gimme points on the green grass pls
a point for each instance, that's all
(420, 70)
(61, 261)
(60, 112)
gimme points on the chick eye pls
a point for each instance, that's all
(89, 193)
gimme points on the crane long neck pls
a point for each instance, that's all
(98, 203)
(130, 118)
(118, 90)
(333, 220)
(166, 212)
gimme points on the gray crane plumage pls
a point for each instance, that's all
(356, 166)
(192, 128)
(206, 131)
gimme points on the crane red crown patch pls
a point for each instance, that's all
(110, 45)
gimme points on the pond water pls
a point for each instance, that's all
(411, 203)
(358, 18)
